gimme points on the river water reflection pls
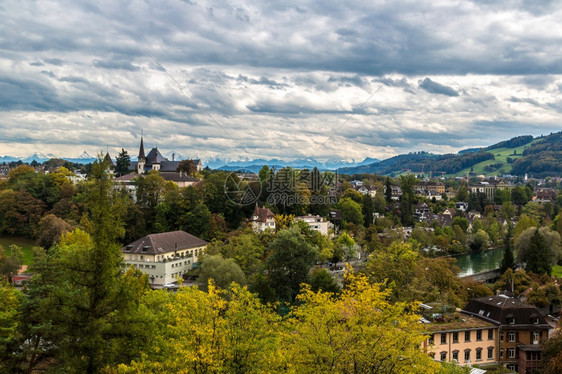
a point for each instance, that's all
(479, 262)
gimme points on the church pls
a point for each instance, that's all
(154, 160)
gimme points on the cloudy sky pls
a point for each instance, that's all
(238, 79)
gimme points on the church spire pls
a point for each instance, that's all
(141, 150)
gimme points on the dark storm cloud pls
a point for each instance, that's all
(437, 88)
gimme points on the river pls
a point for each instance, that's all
(473, 263)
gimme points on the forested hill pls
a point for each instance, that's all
(543, 158)
(537, 157)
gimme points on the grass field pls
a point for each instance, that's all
(557, 271)
(26, 244)
(500, 155)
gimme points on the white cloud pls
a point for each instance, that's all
(288, 79)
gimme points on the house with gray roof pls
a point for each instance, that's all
(164, 256)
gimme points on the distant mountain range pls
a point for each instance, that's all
(520, 155)
(256, 165)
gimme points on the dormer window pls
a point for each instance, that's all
(510, 319)
(535, 320)
(129, 248)
(145, 248)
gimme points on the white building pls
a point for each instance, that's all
(262, 219)
(316, 223)
(164, 257)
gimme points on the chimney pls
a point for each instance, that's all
(173, 157)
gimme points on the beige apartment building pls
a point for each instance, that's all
(493, 330)
(164, 257)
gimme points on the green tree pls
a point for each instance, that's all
(81, 308)
(479, 241)
(50, 230)
(523, 224)
(222, 271)
(289, 262)
(10, 265)
(388, 190)
(462, 193)
(407, 184)
(508, 260)
(395, 265)
(122, 163)
(513, 281)
(10, 309)
(321, 280)
(539, 249)
(351, 211)
(188, 167)
(246, 250)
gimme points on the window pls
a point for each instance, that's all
(443, 338)
(491, 334)
(142, 257)
(478, 334)
(501, 353)
(431, 339)
(456, 356)
(536, 336)
(536, 320)
(455, 337)
(511, 352)
(512, 336)
(443, 356)
(511, 320)
(490, 353)
(501, 337)
(467, 355)
(467, 336)
(512, 367)
(479, 354)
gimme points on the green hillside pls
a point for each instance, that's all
(538, 157)
(500, 157)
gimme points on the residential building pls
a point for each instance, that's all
(464, 339)
(262, 219)
(165, 256)
(522, 330)
(490, 331)
(316, 223)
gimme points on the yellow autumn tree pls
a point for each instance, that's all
(211, 332)
(359, 332)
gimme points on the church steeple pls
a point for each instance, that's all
(141, 159)
(141, 150)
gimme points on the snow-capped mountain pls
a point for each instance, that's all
(173, 155)
(257, 164)
(38, 157)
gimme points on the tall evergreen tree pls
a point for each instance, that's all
(388, 190)
(122, 163)
(508, 261)
(537, 255)
(82, 312)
